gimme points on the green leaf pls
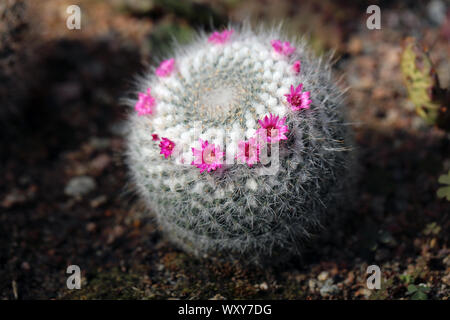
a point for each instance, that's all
(418, 292)
(419, 295)
(406, 278)
(423, 288)
(432, 229)
(420, 79)
(411, 289)
(444, 192)
(445, 178)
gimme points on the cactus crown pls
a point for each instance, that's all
(230, 95)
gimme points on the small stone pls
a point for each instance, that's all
(99, 163)
(79, 186)
(363, 292)
(328, 288)
(436, 10)
(433, 243)
(13, 198)
(90, 227)
(15, 290)
(323, 276)
(355, 46)
(119, 129)
(98, 201)
(100, 143)
(217, 297)
(350, 278)
(264, 286)
(25, 266)
(312, 284)
(118, 231)
(115, 233)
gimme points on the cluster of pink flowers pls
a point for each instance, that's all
(220, 37)
(146, 103)
(272, 128)
(283, 48)
(208, 158)
(248, 151)
(165, 68)
(298, 99)
(166, 147)
(297, 66)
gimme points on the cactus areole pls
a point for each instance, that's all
(238, 143)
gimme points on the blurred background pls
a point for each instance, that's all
(63, 190)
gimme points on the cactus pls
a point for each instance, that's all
(422, 83)
(256, 97)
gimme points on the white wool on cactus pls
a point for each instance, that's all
(239, 144)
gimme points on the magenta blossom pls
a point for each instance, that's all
(272, 128)
(208, 158)
(248, 151)
(297, 66)
(145, 104)
(220, 37)
(298, 99)
(165, 68)
(155, 137)
(167, 147)
(283, 48)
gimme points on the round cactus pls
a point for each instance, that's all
(239, 144)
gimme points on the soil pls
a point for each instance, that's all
(69, 123)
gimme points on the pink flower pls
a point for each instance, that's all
(283, 48)
(165, 68)
(208, 158)
(298, 99)
(155, 137)
(220, 37)
(167, 147)
(297, 66)
(248, 151)
(145, 104)
(272, 128)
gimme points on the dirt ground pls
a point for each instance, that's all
(63, 119)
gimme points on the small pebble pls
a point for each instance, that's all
(79, 186)
(264, 286)
(25, 266)
(98, 201)
(328, 288)
(323, 276)
(90, 227)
